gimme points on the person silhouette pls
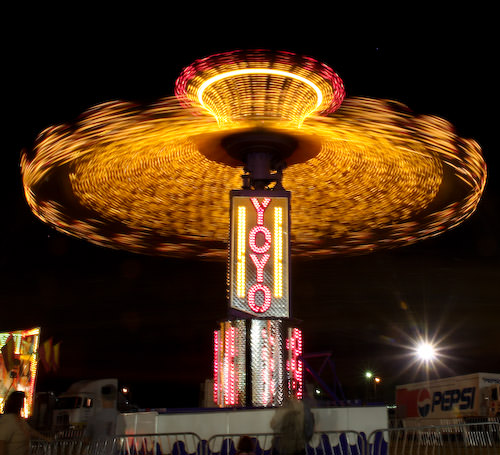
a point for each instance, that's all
(15, 432)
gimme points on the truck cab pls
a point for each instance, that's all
(74, 407)
(492, 400)
(73, 410)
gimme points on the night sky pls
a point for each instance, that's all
(149, 320)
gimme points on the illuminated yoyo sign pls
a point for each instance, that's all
(259, 265)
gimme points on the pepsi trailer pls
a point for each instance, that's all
(437, 401)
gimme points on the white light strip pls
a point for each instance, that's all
(240, 72)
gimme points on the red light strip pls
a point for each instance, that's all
(260, 207)
(264, 248)
(267, 298)
(294, 364)
(267, 372)
(216, 366)
(260, 263)
(229, 369)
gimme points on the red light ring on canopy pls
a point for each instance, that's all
(325, 82)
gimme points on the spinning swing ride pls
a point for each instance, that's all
(357, 174)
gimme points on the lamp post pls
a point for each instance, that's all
(376, 381)
(368, 377)
(371, 379)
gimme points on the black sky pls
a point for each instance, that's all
(149, 321)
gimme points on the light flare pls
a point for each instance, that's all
(426, 352)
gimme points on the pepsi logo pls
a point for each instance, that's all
(423, 402)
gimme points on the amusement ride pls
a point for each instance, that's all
(268, 140)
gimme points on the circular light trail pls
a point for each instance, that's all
(154, 179)
(250, 71)
(260, 85)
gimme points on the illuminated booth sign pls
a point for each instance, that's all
(259, 265)
(19, 365)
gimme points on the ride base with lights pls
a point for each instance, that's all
(258, 351)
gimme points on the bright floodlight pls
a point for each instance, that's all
(426, 352)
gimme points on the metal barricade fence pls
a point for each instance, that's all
(322, 443)
(70, 447)
(225, 444)
(456, 439)
(337, 442)
(137, 444)
(162, 443)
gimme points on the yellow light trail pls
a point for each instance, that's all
(278, 252)
(368, 187)
(241, 249)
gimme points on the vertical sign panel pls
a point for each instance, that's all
(294, 364)
(229, 364)
(260, 253)
(268, 363)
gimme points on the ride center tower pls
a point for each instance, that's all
(260, 100)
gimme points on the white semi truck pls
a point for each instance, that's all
(74, 407)
(439, 401)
